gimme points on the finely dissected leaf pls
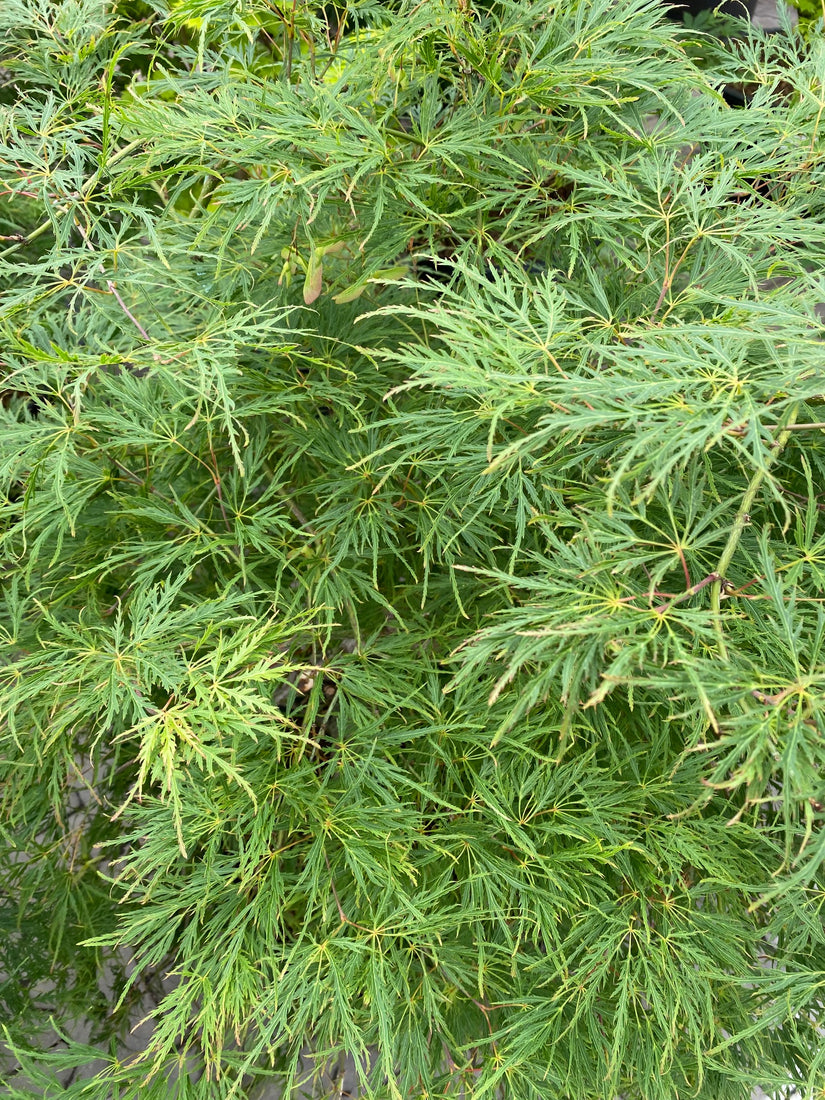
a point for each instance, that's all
(412, 552)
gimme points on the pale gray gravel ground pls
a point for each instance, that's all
(766, 14)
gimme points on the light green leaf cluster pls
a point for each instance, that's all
(412, 551)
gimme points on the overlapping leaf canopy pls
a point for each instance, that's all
(412, 549)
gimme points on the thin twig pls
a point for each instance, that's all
(344, 918)
(711, 578)
(216, 477)
(820, 424)
(741, 522)
(112, 288)
(126, 309)
(82, 193)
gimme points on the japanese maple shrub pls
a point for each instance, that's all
(413, 552)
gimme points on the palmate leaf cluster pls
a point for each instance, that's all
(412, 550)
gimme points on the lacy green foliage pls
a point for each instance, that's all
(810, 11)
(412, 551)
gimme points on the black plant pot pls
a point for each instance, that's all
(743, 8)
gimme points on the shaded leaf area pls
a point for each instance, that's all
(412, 551)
